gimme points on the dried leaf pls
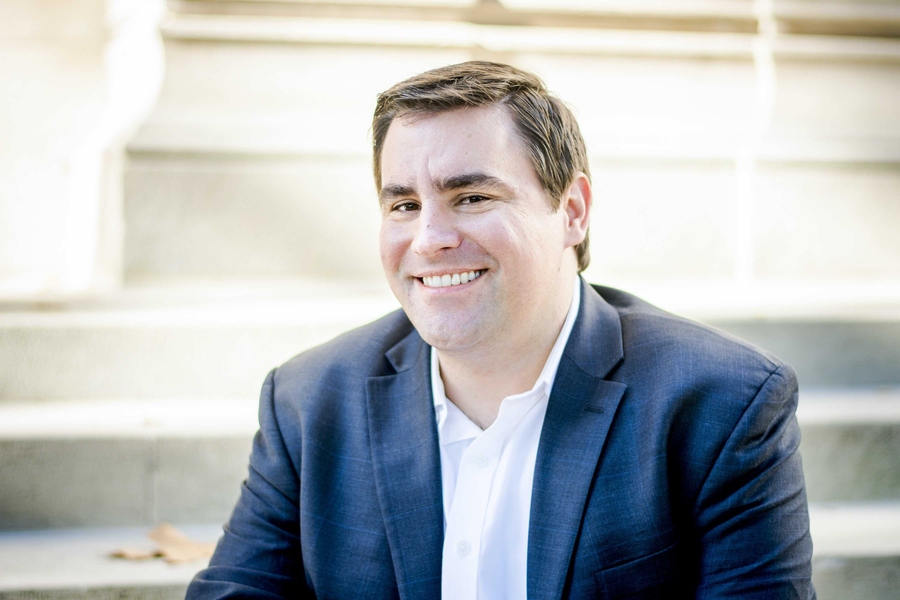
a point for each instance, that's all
(177, 547)
(129, 553)
(173, 546)
(165, 534)
(188, 552)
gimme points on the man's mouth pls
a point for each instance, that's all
(450, 279)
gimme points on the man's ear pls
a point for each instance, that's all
(577, 203)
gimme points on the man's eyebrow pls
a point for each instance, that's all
(467, 180)
(455, 182)
(394, 190)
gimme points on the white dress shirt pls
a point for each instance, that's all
(487, 478)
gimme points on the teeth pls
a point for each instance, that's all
(448, 280)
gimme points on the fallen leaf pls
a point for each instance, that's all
(135, 553)
(172, 545)
(177, 547)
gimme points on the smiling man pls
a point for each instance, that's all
(513, 432)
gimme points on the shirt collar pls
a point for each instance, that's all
(544, 381)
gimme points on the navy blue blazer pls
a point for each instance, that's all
(667, 468)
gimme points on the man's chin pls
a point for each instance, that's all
(449, 337)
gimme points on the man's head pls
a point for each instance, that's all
(547, 128)
(478, 251)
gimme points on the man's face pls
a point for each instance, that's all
(461, 198)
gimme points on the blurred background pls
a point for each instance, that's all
(186, 201)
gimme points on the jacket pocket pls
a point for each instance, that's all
(652, 576)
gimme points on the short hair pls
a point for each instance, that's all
(546, 125)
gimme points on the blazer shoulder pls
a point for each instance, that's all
(679, 347)
(354, 355)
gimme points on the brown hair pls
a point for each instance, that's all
(546, 124)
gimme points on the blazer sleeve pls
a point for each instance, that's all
(752, 510)
(259, 555)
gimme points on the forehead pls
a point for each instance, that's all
(418, 148)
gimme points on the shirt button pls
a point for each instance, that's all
(463, 548)
(481, 462)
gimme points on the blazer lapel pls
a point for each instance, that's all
(406, 459)
(580, 411)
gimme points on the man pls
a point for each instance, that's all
(513, 432)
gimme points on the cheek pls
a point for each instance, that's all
(391, 245)
(534, 243)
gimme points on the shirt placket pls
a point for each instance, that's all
(462, 540)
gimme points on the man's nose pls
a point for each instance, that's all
(436, 231)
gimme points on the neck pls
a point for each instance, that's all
(478, 379)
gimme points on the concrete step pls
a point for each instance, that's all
(630, 88)
(856, 555)
(856, 551)
(313, 216)
(105, 463)
(864, 17)
(120, 462)
(828, 353)
(75, 564)
(845, 18)
(839, 334)
(850, 444)
(165, 344)
(220, 342)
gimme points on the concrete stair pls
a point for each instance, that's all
(69, 564)
(251, 235)
(174, 343)
(856, 552)
(116, 463)
(851, 445)
(178, 341)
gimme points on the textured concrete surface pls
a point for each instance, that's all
(101, 482)
(853, 529)
(199, 480)
(868, 578)
(856, 550)
(207, 352)
(851, 462)
(251, 217)
(850, 444)
(834, 221)
(122, 463)
(193, 350)
(75, 563)
(74, 482)
(838, 353)
(662, 221)
(124, 592)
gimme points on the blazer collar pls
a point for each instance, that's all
(579, 413)
(595, 345)
(407, 466)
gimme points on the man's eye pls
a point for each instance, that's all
(475, 199)
(406, 206)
